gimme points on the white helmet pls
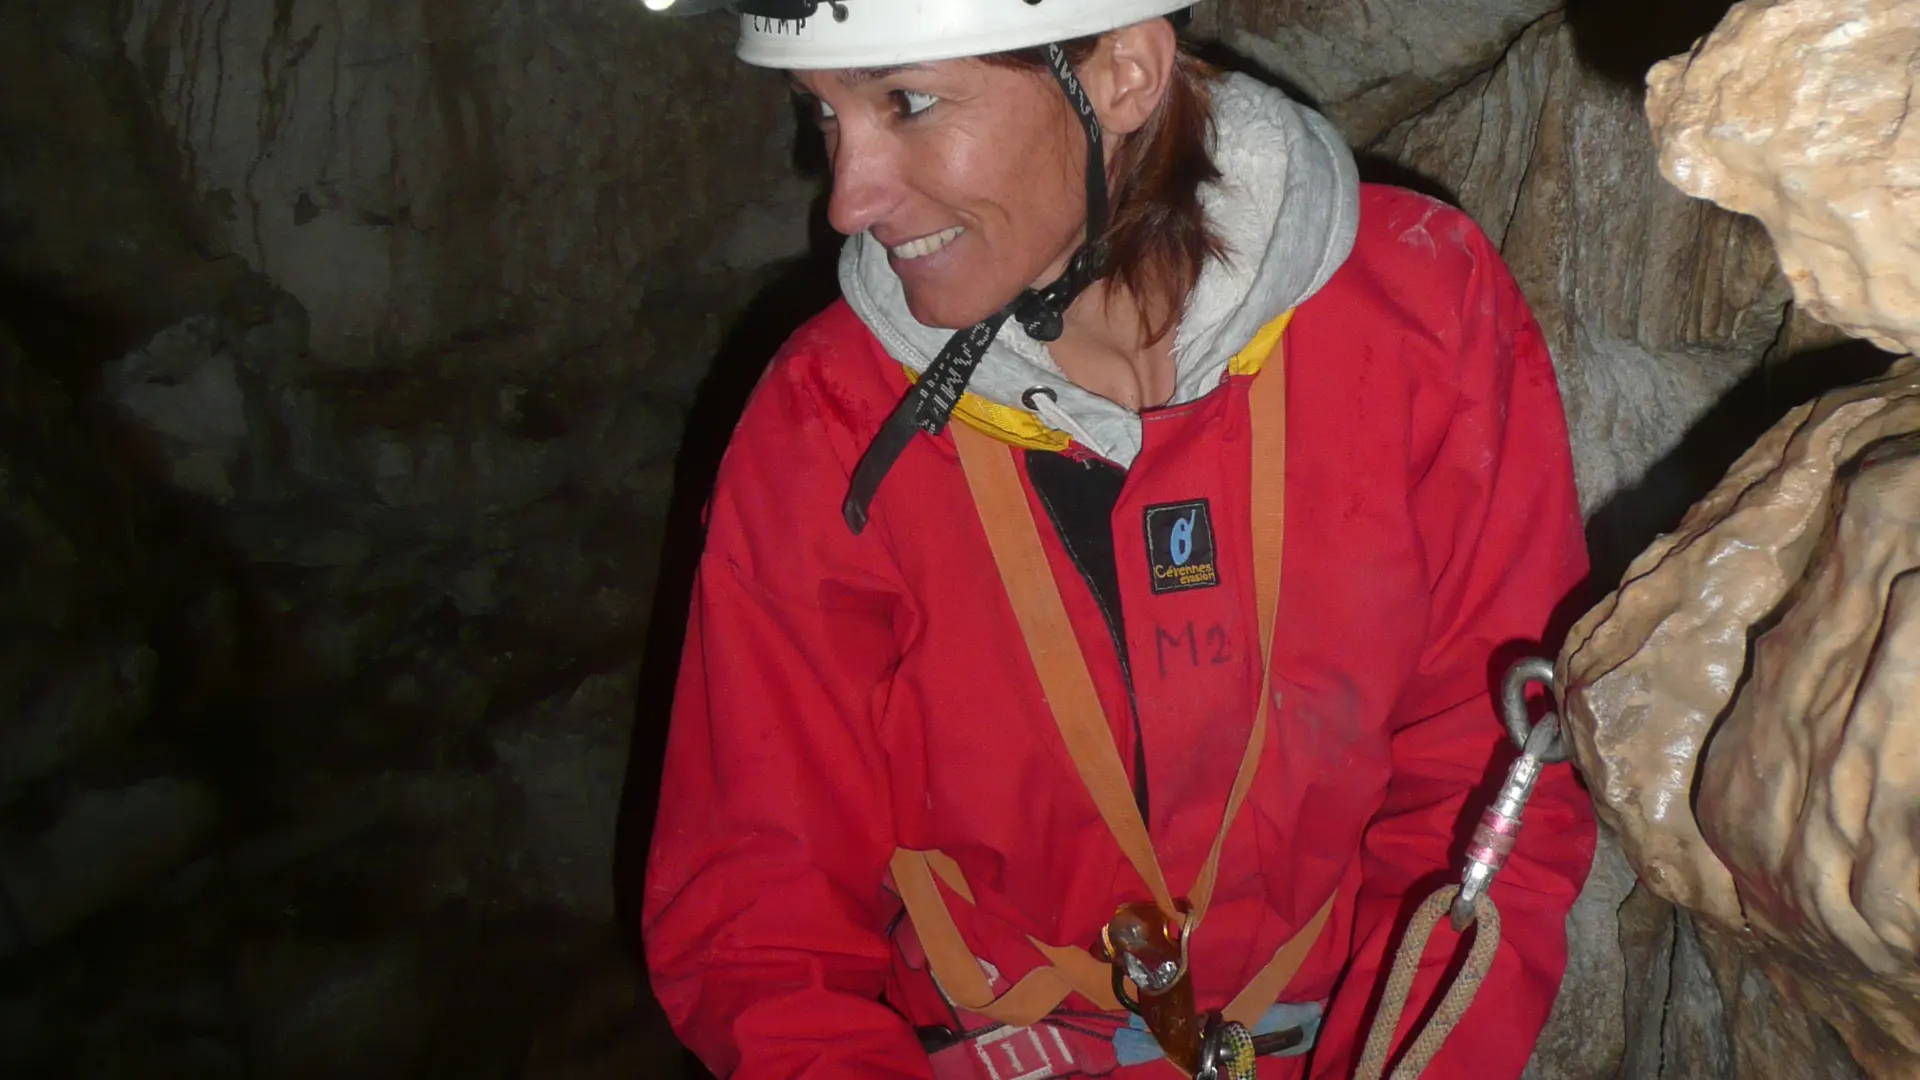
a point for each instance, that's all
(797, 34)
(874, 33)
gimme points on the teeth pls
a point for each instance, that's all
(926, 245)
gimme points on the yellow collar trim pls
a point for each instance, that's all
(1022, 429)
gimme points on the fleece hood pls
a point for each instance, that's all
(1287, 208)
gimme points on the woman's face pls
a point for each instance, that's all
(972, 175)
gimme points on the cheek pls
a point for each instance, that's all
(958, 169)
(1045, 173)
(1021, 174)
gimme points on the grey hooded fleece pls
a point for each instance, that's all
(1287, 206)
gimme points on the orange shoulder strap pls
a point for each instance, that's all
(1013, 535)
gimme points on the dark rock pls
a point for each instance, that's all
(101, 848)
(1370, 64)
(1654, 304)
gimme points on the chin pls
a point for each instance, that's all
(947, 312)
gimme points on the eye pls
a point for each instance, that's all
(815, 109)
(910, 102)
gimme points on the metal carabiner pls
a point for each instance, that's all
(1540, 745)
(1228, 1051)
(1513, 706)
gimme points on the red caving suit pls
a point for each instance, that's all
(843, 696)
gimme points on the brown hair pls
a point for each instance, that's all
(1157, 234)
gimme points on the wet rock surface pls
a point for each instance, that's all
(1741, 702)
(1732, 705)
(1800, 113)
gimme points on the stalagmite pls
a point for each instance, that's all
(1802, 114)
(1744, 705)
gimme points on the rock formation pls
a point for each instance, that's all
(1801, 114)
(1743, 704)
(1742, 709)
(1654, 304)
(1369, 64)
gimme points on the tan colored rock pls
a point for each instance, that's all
(1811, 792)
(1801, 113)
(1744, 706)
(1804, 844)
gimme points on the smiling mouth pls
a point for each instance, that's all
(926, 245)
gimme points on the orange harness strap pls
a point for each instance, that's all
(1014, 537)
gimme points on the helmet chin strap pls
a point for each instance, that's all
(1041, 312)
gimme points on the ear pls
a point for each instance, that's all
(1128, 74)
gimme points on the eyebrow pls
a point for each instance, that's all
(858, 76)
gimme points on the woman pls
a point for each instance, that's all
(955, 692)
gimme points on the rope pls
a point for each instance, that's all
(1406, 964)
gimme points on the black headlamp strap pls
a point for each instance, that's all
(929, 405)
(1096, 144)
(1043, 312)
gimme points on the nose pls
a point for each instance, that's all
(866, 179)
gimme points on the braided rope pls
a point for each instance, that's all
(1406, 964)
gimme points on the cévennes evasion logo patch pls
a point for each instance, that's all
(1180, 546)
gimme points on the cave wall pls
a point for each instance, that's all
(347, 352)
(364, 366)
